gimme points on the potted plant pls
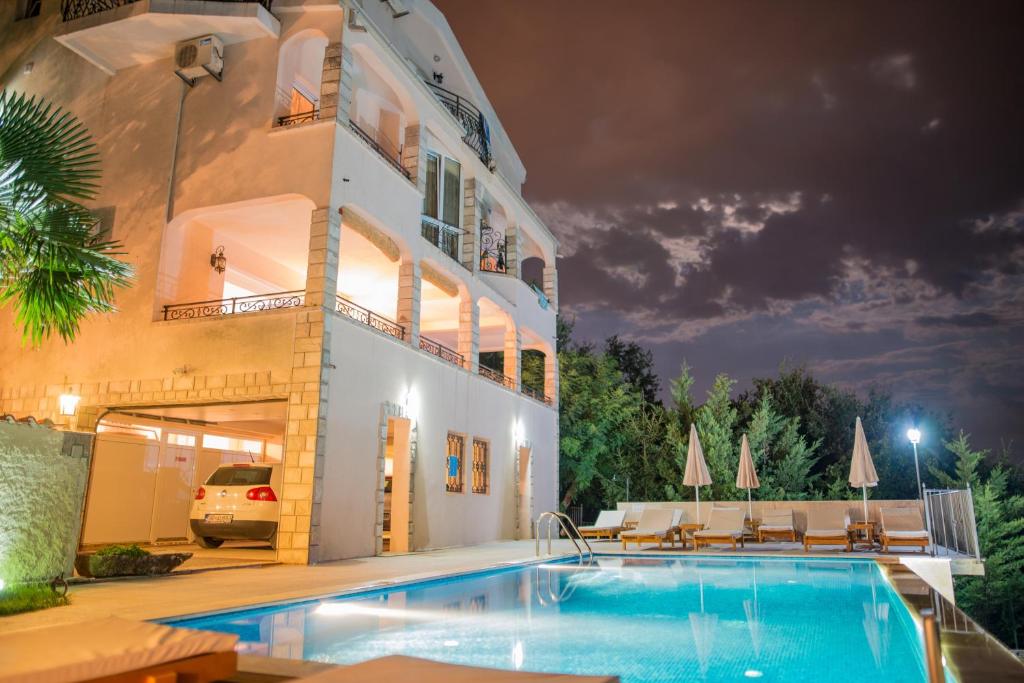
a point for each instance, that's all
(127, 560)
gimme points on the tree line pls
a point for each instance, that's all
(619, 441)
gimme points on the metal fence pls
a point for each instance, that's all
(76, 9)
(951, 524)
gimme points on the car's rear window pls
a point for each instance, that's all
(240, 476)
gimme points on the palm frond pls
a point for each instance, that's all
(54, 148)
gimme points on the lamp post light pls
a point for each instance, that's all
(914, 434)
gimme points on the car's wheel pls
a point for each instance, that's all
(207, 542)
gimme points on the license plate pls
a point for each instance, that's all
(218, 519)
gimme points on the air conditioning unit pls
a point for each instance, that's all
(198, 57)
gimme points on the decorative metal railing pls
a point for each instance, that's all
(382, 147)
(493, 251)
(369, 318)
(495, 376)
(534, 394)
(949, 514)
(443, 236)
(238, 304)
(442, 351)
(301, 117)
(76, 9)
(474, 125)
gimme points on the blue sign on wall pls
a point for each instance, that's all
(453, 465)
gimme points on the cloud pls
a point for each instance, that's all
(896, 71)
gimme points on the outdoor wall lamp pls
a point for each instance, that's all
(68, 404)
(218, 261)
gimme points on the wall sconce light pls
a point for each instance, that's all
(218, 261)
(68, 404)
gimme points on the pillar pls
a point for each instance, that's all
(414, 155)
(409, 286)
(469, 334)
(330, 84)
(512, 250)
(471, 216)
(513, 349)
(551, 284)
(551, 376)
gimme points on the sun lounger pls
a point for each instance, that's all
(400, 669)
(777, 524)
(607, 525)
(655, 526)
(724, 526)
(118, 651)
(903, 527)
(632, 517)
(827, 527)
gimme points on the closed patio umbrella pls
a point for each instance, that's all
(696, 473)
(746, 476)
(862, 469)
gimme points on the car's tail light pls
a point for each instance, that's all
(200, 493)
(261, 493)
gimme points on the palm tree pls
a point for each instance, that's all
(55, 267)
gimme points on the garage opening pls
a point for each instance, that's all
(160, 474)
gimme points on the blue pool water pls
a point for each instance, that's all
(646, 620)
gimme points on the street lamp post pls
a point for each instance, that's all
(914, 434)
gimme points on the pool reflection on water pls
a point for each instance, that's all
(644, 619)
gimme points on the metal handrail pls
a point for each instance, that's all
(950, 520)
(567, 526)
(566, 592)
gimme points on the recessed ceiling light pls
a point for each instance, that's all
(752, 673)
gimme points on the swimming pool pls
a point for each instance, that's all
(644, 619)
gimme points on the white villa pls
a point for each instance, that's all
(335, 270)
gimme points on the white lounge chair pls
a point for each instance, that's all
(607, 525)
(400, 669)
(655, 525)
(828, 526)
(903, 527)
(632, 517)
(777, 524)
(116, 649)
(724, 526)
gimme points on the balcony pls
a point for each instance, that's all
(116, 34)
(498, 378)
(493, 252)
(244, 304)
(441, 351)
(443, 236)
(382, 146)
(535, 395)
(369, 318)
(474, 126)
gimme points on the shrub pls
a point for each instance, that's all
(28, 598)
(133, 550)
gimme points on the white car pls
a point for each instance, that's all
(237, 502)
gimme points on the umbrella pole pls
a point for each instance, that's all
(750, 507)
(696, 490)
(865, 489)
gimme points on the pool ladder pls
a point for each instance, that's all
(567, 526)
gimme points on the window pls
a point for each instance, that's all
(186, 440)
(443, 189)
(481, 461)
(454, 463)
(228, 443)
(239, 475)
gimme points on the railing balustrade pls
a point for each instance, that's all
(441, 351)
(474, 125)
(382, 146)
(76, 9)
(495, 376)
(951, 524)
(534, 394)
(301, 117)
(239, 304)
(369, 318)
(493, 252)
(443, 236)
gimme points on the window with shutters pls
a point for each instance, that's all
(481, 466)
(454, 463)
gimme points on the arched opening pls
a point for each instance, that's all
(368, 274)
(378, 111)
(235, 258)
(536, 369)
(440, 303)
(498, 347)
(300, 65)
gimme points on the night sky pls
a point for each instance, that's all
(742, 183)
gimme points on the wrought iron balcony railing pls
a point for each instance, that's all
(493, 252)
(301, 117)
(474, 126)
(443, 236)
(534, 394)
(76, 9)
(495, 376)
(239, 304)
(382, 147)
(442, 351)
(369, 318)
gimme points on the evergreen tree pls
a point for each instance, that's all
(716, 424)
